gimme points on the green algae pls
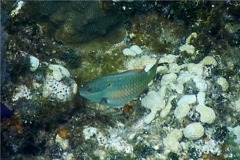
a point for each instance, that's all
(71, 57)
(142, 151)
(114, 36)
(161, 36)
(77, 22)
(98, 63)
(119, 156)
(233, 147)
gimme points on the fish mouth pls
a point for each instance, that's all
(88, 90)
(82, 92)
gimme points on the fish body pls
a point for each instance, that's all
(118, 89)
(5, 112)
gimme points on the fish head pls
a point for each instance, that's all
(95, 91)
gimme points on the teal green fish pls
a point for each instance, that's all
(116, 90)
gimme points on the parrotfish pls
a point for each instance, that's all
(118, 89)
(5, 112)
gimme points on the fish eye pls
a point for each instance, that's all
(109, 85)
(89, 89)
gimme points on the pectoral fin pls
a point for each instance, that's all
(103, 101)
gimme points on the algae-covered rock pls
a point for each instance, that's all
(74, 22)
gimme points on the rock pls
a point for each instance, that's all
(208, 60)
(19, 6)
(136, 49)
(168, 78)
(184, 78)
(196, 69)
(174, 68)
(89, 132)
(168, 107)
(59, 91)
(68, 156)
(172, 140)
(201, 98)
(162, 69)
(190, 49)
(59, 72)
(169, 58)
(200, 83)
(56, 90)
(193, 131)
(179, 88)
(149, 118)
(236, 105)
(236, 132)
(181, 111)
(85, 18)
(34, 61)
(183, 107)
(64, 143)
(59, 85)
(129, 52)
(190, 37)
(187, 99)
(154, 102)
(223, 83)
(22, 92)
(74, 88)
(207, 114)
(144, 62)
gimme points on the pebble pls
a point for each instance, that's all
(129, 52)
(187, 99)
(196, 69)
(132, 51)
(208, 60)
(207, 114)
(34, 61)
(172, 140)
(223, 83)
(193, 131)
(201, 98)
(190, 49)
(200, 83)
(181, 111)
(136, 49)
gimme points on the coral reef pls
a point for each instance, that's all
(75, 23)
(189, 111)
